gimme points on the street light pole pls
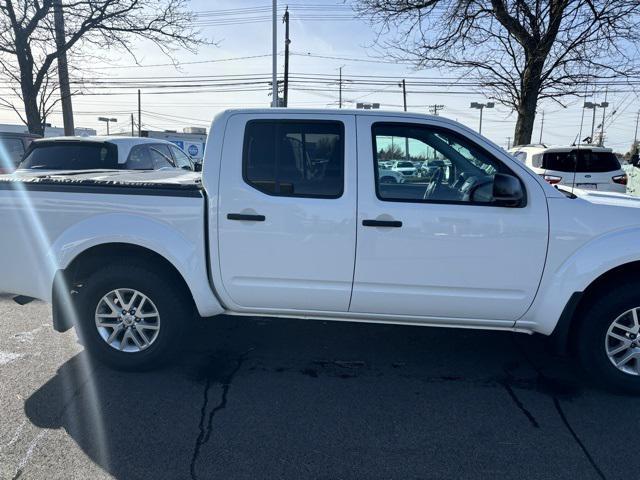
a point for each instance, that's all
(107, 120)
(605, 104)
(481, 107)
(594, 106)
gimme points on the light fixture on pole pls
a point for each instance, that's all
(367, 106)
(481, 107)
(107, 120)
(594, 107)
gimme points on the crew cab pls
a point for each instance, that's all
(290, 219)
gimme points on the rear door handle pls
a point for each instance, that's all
(382, 223)
(246, 218)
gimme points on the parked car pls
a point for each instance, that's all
(588, 167)
(390, 176)
(12, 149)
(492, 247)
(405, 167)
(432, 167)
(104, 153)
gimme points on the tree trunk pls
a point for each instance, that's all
(27, 86)
(528, 103)
(30, 98)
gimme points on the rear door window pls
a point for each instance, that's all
(581, 161)
(11, 152)
(295, 158)
(71, 156)
(139, 158)
(181, 158)
(161, 156)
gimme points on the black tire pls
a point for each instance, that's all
(592, 332)
(166, 295)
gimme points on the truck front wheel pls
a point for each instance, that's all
(131, 317)
(608, 343)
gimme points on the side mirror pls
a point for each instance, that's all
(507, 190)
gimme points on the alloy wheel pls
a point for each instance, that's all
(127, 320)
(622, 342)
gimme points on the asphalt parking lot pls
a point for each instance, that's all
(258, 398)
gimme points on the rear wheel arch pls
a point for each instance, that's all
(69, 281)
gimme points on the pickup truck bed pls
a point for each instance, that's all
(73, 212)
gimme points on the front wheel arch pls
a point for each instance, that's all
(565, 332)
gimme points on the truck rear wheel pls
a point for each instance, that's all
(131, 317)
(608, 343)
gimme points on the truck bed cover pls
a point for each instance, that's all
(130, 182)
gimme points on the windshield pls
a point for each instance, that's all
(71, 156)
(581, 161)
(405, 165)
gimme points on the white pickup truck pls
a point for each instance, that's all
(290, 220)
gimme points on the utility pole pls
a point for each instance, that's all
(63, 70)
(508, 143)
(285, 20)
(132, 125)
(407, 157)
(340, 89)
(274, 54)
(434, 109)
(541, 127)
(635, 137)
(139, 114)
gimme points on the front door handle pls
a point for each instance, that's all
(382, 223)
(245, 217)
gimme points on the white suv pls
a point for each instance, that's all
(588, 167)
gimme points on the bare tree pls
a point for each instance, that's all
(28, 52)
(523, 51)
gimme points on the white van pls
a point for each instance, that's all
(588, 167)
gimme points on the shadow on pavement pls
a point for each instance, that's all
(256, 398)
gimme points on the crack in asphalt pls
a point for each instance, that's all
(575, 436)
(507, 386)
(563, 417)
(205, 425)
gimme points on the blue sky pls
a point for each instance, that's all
(351, 39)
